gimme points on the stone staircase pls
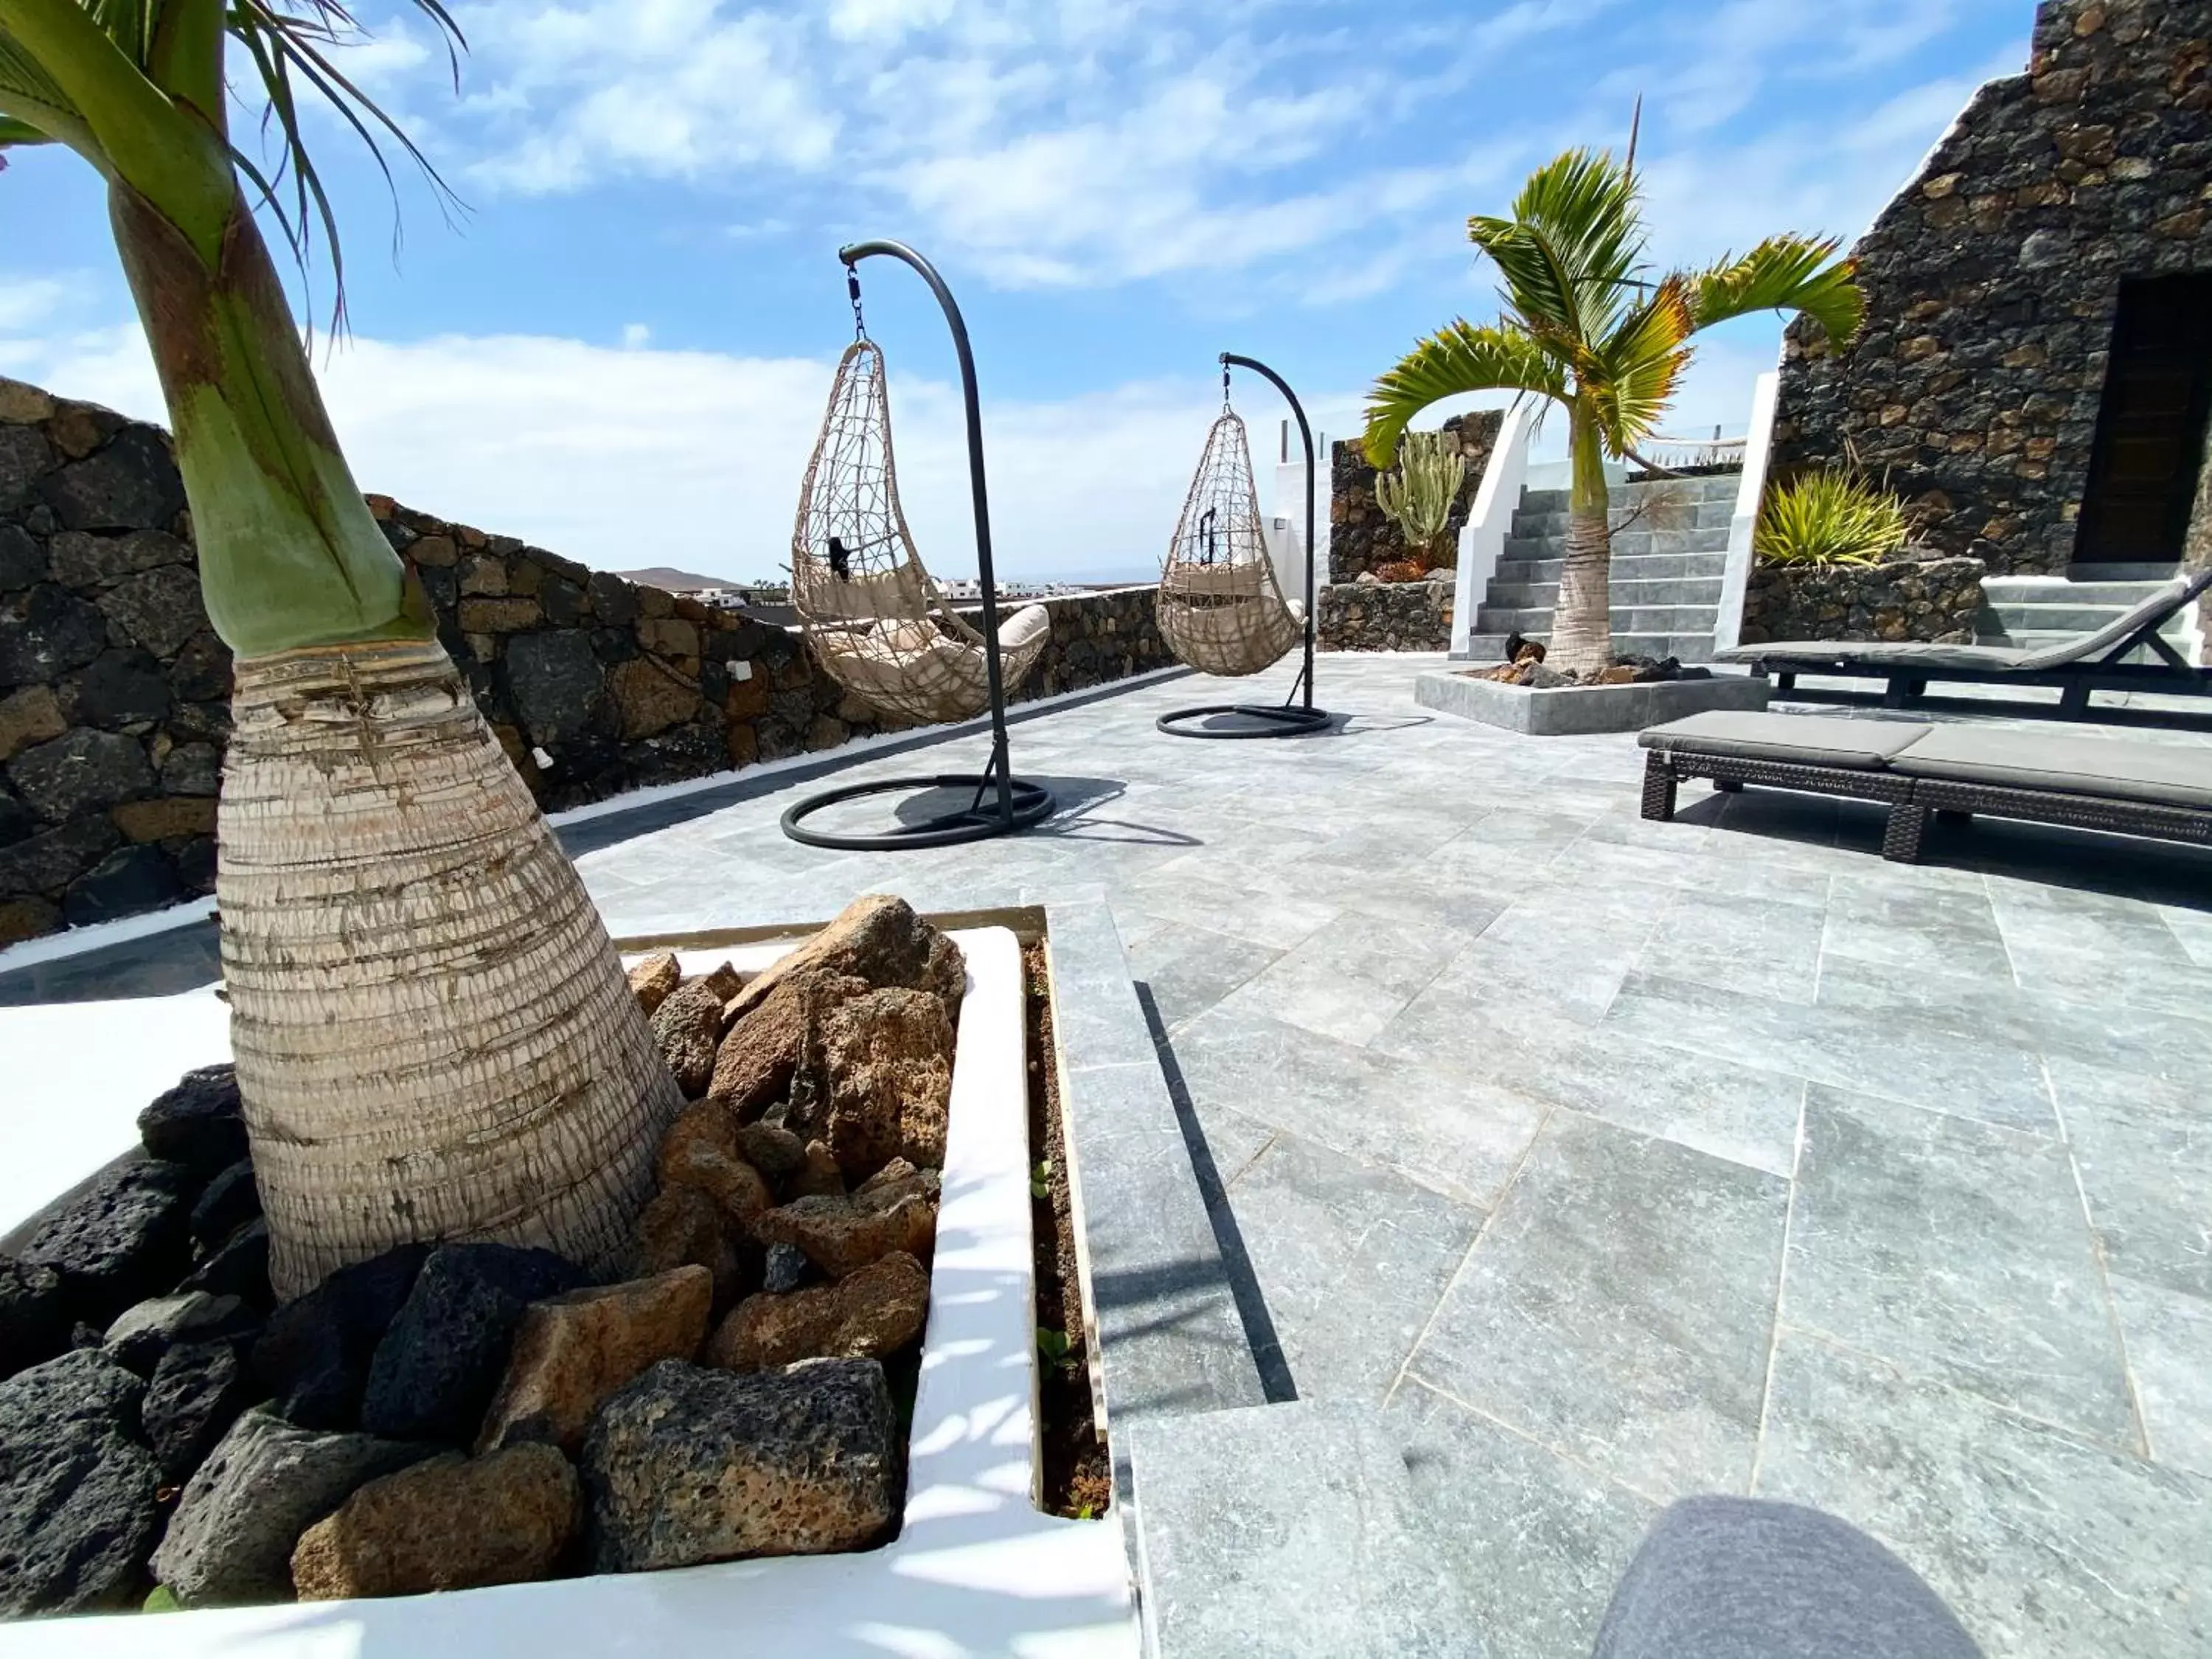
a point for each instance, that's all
(2029, 611)
(1669, 547)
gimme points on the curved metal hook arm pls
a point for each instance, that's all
(1305, 437)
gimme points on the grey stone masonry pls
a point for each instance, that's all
(1993, 281)
(1360, 536)
(1385, 616)
(1669, 547)
(1933, 600)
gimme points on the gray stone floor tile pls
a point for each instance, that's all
(1738, 944)
(1455, 1134)
(1348, 981)
(2194, 929)
(1731, 1111)
(1894, 1054)
(2144, 1149)
(1539, 1542)
(1190, 970)
(1351, 1258)
(1902, 924)
(1955, 1250)
(1620, 1306)
(2095, 945)
(2046, 1546)
(1558, 950)
(2169, 1342)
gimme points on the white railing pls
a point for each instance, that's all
(1671, 454)
(1490, 520)
(1758, 448)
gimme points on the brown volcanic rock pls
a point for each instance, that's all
(572, 1352)
(689, 1027)
(689, 1465)
(878, 939)
(700, 1151)
(682, 1226)
(652, 980)
(819, 1177)
(450, 1523)
(876, 1079)
(877, 1310)
(758, 1057)
(772, 1149)
(841, 1236)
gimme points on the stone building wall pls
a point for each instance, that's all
(1993, 283)
(114, 690)
(1385, 616)
(1924, 599)
(1360, 535)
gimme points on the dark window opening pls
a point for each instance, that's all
(2149, 448)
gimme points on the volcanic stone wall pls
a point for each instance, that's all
(114, 690)
(1385, 616)
(1360, 535)
(1930, 600)
(1993, 283)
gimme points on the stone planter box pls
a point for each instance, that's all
(1925, 599)
(1583, 708)
(976, 1560)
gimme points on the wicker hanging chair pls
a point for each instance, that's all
(878, 623)
(1221, 611)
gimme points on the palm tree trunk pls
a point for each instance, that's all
(1581, 619)
(435, 1037)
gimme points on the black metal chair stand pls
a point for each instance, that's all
(1015, 803)
(1293, 717)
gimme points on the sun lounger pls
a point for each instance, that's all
(2160, 790)
(2092, 662)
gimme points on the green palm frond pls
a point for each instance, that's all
(1633, 374)
(1458, 358)
(33, 109)
(1783, 273)
(1570, 248)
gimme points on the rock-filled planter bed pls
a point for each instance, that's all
(840, 1249)
(1558, 709)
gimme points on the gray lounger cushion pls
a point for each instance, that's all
(1747, 1578)
(1848, 656)
(1795, 739)
(2166, 774)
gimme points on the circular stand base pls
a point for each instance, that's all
(1032, 804)
(1267, 720)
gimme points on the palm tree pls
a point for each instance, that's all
(1582, 328)
(435, 1037)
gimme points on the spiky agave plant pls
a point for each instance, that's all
(1584, 328)
(1418, 496)
(1828, 516)
(433, 1035)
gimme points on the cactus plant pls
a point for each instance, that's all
(1417, 497)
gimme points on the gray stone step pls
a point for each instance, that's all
(1686, 590)
(1698, 515)
(2063, 618)
(1625, 567)
(2031, 590)
(1627, 545)
(1626, 619)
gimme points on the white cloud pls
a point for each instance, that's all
(28, 302)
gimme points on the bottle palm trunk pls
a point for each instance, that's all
(1581, 618)
(433, 1035)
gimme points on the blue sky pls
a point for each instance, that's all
(622, 346)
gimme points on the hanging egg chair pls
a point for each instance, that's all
(1221, 611)
(878, 624)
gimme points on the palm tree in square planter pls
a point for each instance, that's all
(1584, 328)
(434, 1037)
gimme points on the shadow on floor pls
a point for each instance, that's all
(160, 965)
(1275, 1379)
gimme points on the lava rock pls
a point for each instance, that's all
(878, 939)
(571, 1352)
(761, 1051)
(126, 1236)
(701, 1150)
(876, 1079)
(867, 1316)
(842, 1235)
(772, 1149)
(688, 1465)
(788, 1270)
(238, 1266)
(197, 1391)
(652, 980)
(199, 1123)
(34, 1319)
(80, 771)
(130, 483)
(682, 1225)
(689, 1026)
(229, 1201)
(450, 1523)
(314, 1355)
(143, 1333)
(439, 1365)
(266, 1482)
(78, 1515)
(129, 880)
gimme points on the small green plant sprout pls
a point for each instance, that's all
(1829, 516)
(1087, 1512)
(1418, 496)
(1054, 1346)
(1041, 1179)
